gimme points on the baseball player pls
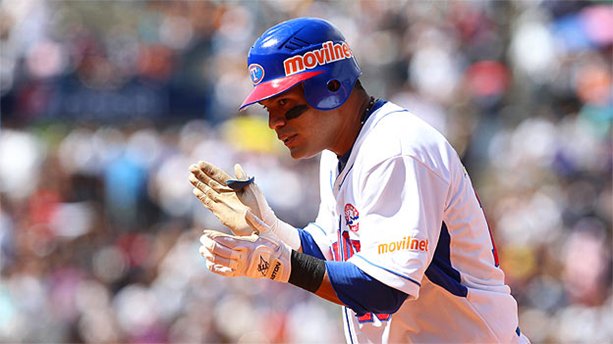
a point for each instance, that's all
(400, 240)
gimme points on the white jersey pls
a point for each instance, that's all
(404, 211)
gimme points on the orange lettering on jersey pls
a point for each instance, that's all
(406, 243)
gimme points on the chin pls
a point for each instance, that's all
(301, 154)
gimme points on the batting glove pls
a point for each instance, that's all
(242, 210)
(249, 256)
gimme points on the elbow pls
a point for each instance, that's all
(388, 301)
(362, 293)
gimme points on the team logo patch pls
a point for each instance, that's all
(256, 72)
(352, 217)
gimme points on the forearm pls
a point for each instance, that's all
(326, 291)
(345, 284)
(309, 273)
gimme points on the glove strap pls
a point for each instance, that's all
(307, 271)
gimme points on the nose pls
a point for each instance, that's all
(276, 120)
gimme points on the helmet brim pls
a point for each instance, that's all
(274, 87)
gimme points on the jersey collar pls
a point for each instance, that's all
(378, 103)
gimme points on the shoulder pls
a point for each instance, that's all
(394, 131)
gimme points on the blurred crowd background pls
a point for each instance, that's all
(104, 105)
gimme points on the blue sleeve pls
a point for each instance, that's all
(308, 245)
(362, 293)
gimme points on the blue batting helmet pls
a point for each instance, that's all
(304, 50)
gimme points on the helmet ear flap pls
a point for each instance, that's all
(325, 93)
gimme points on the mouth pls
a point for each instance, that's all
(288, 140)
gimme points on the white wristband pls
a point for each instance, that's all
(288, 234)
(279, 230)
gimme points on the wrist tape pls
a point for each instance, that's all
(307, 271)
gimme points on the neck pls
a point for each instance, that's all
(367, 109)
(356, 108)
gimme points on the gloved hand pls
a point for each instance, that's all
(250, 256)
(210, 187)
(244, 210)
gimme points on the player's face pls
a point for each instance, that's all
(304, 130)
